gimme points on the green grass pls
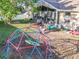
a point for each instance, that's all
(5, 31)
(19, 25)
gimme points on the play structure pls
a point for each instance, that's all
(54, 28)
(27, 44)
(74, 32)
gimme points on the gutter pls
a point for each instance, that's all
(44, 3)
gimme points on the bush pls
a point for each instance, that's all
(22, 21)
(1, 22)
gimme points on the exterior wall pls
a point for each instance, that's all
(73, 14)
(61, 17)
(76, 15)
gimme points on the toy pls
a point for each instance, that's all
(27, 45)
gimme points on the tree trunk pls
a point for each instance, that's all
(33, 17)
(9, 20)
(5, 20)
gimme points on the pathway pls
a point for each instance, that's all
(62, 45)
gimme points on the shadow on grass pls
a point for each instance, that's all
(5, 30)
(23, 21)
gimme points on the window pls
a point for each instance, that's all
(67, 13)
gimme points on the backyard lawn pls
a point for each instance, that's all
(5, 30)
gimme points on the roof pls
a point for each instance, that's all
(61, 5)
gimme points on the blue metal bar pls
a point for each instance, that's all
(39, 50)
(14, 33)
(6, 51)
(14, 37)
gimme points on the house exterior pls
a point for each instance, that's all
(26, 15)
(1, 18)
(62, 8)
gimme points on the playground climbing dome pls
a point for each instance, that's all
(27, 45)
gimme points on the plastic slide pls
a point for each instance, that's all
(74, 32)
(52, 27)
(32, 41)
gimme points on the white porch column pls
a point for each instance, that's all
(57, 17)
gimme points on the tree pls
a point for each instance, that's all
(33, 6)
(8, 9)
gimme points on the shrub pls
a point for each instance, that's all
(1, 22)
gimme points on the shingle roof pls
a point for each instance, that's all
(64, 4)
